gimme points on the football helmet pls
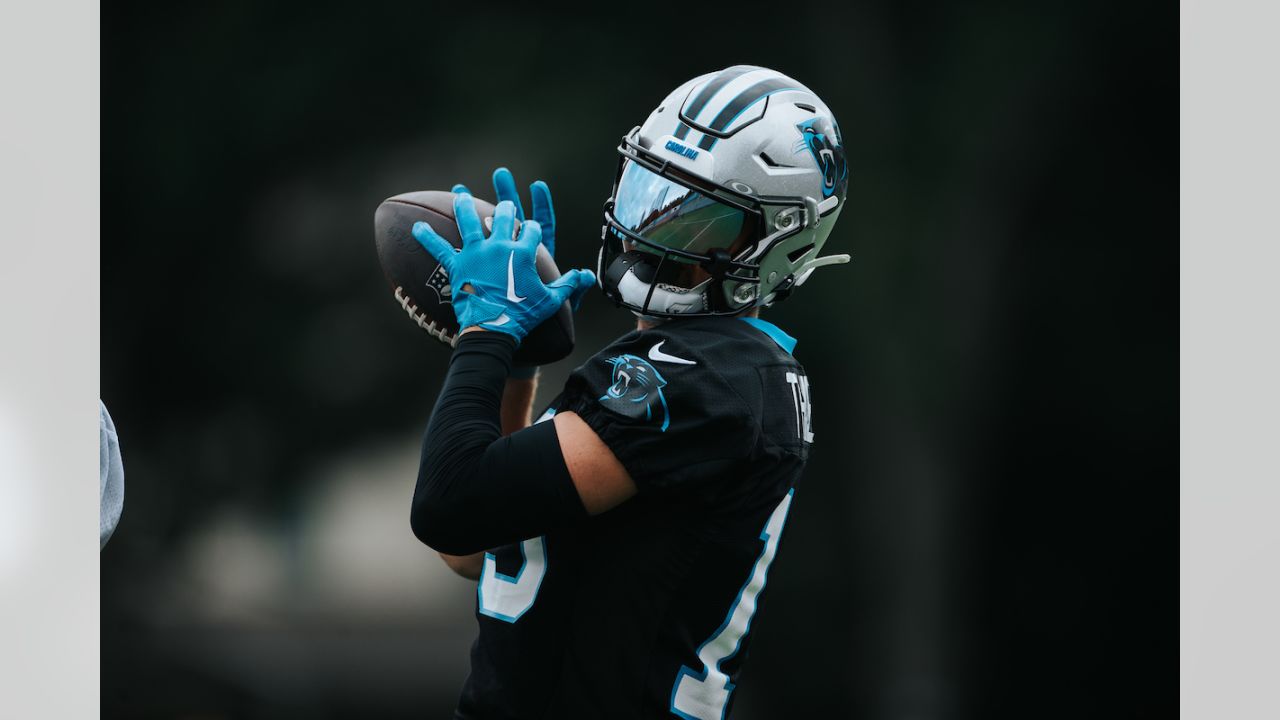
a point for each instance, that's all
(723, 197)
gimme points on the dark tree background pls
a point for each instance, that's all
(987, 526)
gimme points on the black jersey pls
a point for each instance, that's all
(646, 610)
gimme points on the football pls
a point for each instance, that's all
(421, 285)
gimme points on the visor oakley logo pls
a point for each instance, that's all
(679, 149)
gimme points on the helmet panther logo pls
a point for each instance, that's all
(636, 391)
(821, 136)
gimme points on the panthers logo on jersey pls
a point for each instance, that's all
(636, 390)
(821, 137)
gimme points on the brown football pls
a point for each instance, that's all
(421, 285)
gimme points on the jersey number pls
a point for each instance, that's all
(705, 695)
(505, 597)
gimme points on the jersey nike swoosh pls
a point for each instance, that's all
(511, 279)
(502, 319)
(659, 356)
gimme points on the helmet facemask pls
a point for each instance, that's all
(677, 245)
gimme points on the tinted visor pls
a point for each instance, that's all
(671, 215)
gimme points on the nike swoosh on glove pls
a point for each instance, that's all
(495, 279)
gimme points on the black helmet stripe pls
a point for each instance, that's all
(745, 99)
(708, 91)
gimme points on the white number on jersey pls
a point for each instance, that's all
(507, 598)
(705, 695)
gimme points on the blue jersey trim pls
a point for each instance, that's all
(785, 341)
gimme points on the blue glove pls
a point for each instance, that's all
(495, 280)
(505, 185)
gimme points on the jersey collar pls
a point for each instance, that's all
(785, 341)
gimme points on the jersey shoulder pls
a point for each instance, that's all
(697, 377)
(661, 400)
(716, 363)
(755, 358)
(733, 348)
(666, 379)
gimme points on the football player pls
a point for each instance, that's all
(621, 544)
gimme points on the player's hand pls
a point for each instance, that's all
(504, 184)
(495, 279)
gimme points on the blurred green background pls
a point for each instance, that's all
(987, 525)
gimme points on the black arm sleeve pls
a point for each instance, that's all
(476, 489)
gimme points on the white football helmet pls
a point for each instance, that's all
(724, 197)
